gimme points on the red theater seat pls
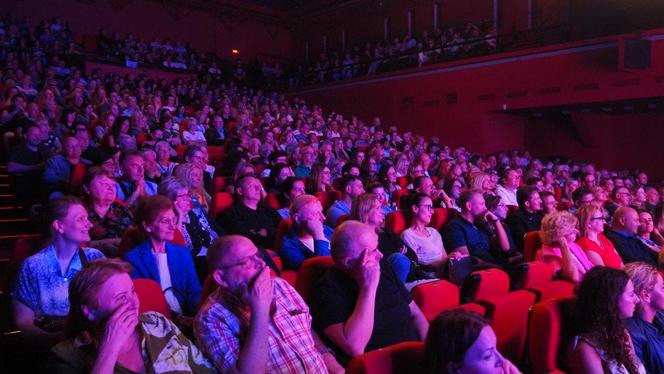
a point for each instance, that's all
(328, 198)
(220, 201)
(396, 222)
(151, 297)
(403, 182)
(440, 217)
(272, 200)
(538, 278)
(395, 359)
(284, 225)
(549, 333)
(76, 180)
(436, 297)
(398, 197)
(220, 183)
(342, 218)
(531, 243)
(507, 311)
(310, 271)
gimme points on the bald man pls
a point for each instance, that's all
(253, 323)
(623, 235)
(360, 305)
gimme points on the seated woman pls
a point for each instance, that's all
(320, 180)
(157, 258)
(39, 295)
(290, 189)
(109, 216)
(388, 177)
(605, 298)
(367, 208)
(425, 241)
(164, 153)
(599, 249)
(278, 175)
(193, 174)
(502, 243)
(197, 229)
(645, 230)
(567, 260)
(463, 342)
(108, 335)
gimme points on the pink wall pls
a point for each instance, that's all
(461, 103)
(151, 18)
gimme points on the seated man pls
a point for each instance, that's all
(462, 235)
(308, 237)
(351, 186)
(581, 197)
(509, 180)
(132, 184)
(247, 216)
(620, 197)
(528, 217)
(359, 304)
(646, 327)
(252, 323)
(624, 227)
(59, 168)
(215, 134)
(26, 162)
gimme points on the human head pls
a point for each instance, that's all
(367, 209)
(646, 225)
(496, 205)
(70, 148)
(192, 174)
(67, 217)
(234, 262)
(419, 208)
(248, 189)
(621, 196)
(350, 240)
(423, 184)
(591, 218)
(510, 178)
(320, 175)
(588, 180)
(529, 199)
(174, 189)
(292, 188)
(97, 291)
(99, 185)
(194, 154)
(33, 135)
(626, 219)
(133, 166)
(582, 196)
(549, 203)
(558, 225)
(472, 202)
(648, 285)
(652, 195)
(459, 341)
(452, 187)
(155, 216)
(305, 208)
(351, 186)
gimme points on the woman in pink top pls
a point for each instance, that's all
(566, 258)
(598, 248)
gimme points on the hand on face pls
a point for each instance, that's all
(119, 327)
(366, 271)
(258, 292)
(314, 227)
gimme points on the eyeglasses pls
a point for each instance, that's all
(256, 257)
(428, 206)
(598, 219)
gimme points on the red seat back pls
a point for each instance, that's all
(220, 201)
(396, 222)
(485, 283)
(531, 243)
(436, 297)
(399, 196)
(549, 331)
(342, 218)
(284, 225)
(76, 179)
(402, 182)
(151, 297)
(440, 217)
(395, 359)
(311, 270)
(272, 200)
(328, 198)
(220, 183)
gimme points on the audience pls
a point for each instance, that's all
(528, 217)
(132, 185)
(599, 249)
(308, 236)
(559, 250)
(623, 235)
(351, 187)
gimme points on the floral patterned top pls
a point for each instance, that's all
(113, 225)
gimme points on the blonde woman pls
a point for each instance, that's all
(567, 260)
(193, 174)
(598, 248)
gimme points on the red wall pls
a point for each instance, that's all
(462, 104)
(152, 18)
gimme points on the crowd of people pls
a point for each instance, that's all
(440, 45)
(144, 210)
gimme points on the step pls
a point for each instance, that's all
(7, 243)
(7, 199)
(14, 226)
(9, 212)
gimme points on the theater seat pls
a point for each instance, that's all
(272, 200)
(507, 311)
(328, 198)
(395, 359)
(399, 196)
(76, 178)
(220, 183)
(531, 243)
(290, 276)
(311, 270)
(396, 222)
(549, 333)
(440, 217)
(220, 201)
(436, 297)
(284, 225)
(403, 182)
(538, 278)
(209, 286)
(151, 297)
(342, 218)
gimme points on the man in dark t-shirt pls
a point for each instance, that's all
(26, 163)
(360, 305)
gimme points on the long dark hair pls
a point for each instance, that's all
(450, 336)
(598, 315)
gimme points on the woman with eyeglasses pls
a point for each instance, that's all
(425, 241)
(598, 248)
(567, 260)
(157, 258)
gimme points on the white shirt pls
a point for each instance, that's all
(508, 197)
(165, 282)
(429, 249)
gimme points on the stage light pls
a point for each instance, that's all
(235, 51)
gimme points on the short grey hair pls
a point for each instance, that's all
(170, 186)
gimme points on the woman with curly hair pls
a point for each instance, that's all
(559, 251)
(605, 298)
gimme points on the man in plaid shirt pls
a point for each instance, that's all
(253, 323)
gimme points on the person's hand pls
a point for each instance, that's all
(119, 328)
(182, 208)
(315, 228)
(457, 255)
(140, 188)
(564, 245)
(490, 217)
(366, 271)
(332, 365)
(258, 292)
(509, 368)
(403, 250)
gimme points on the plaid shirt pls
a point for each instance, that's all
(222, 325)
